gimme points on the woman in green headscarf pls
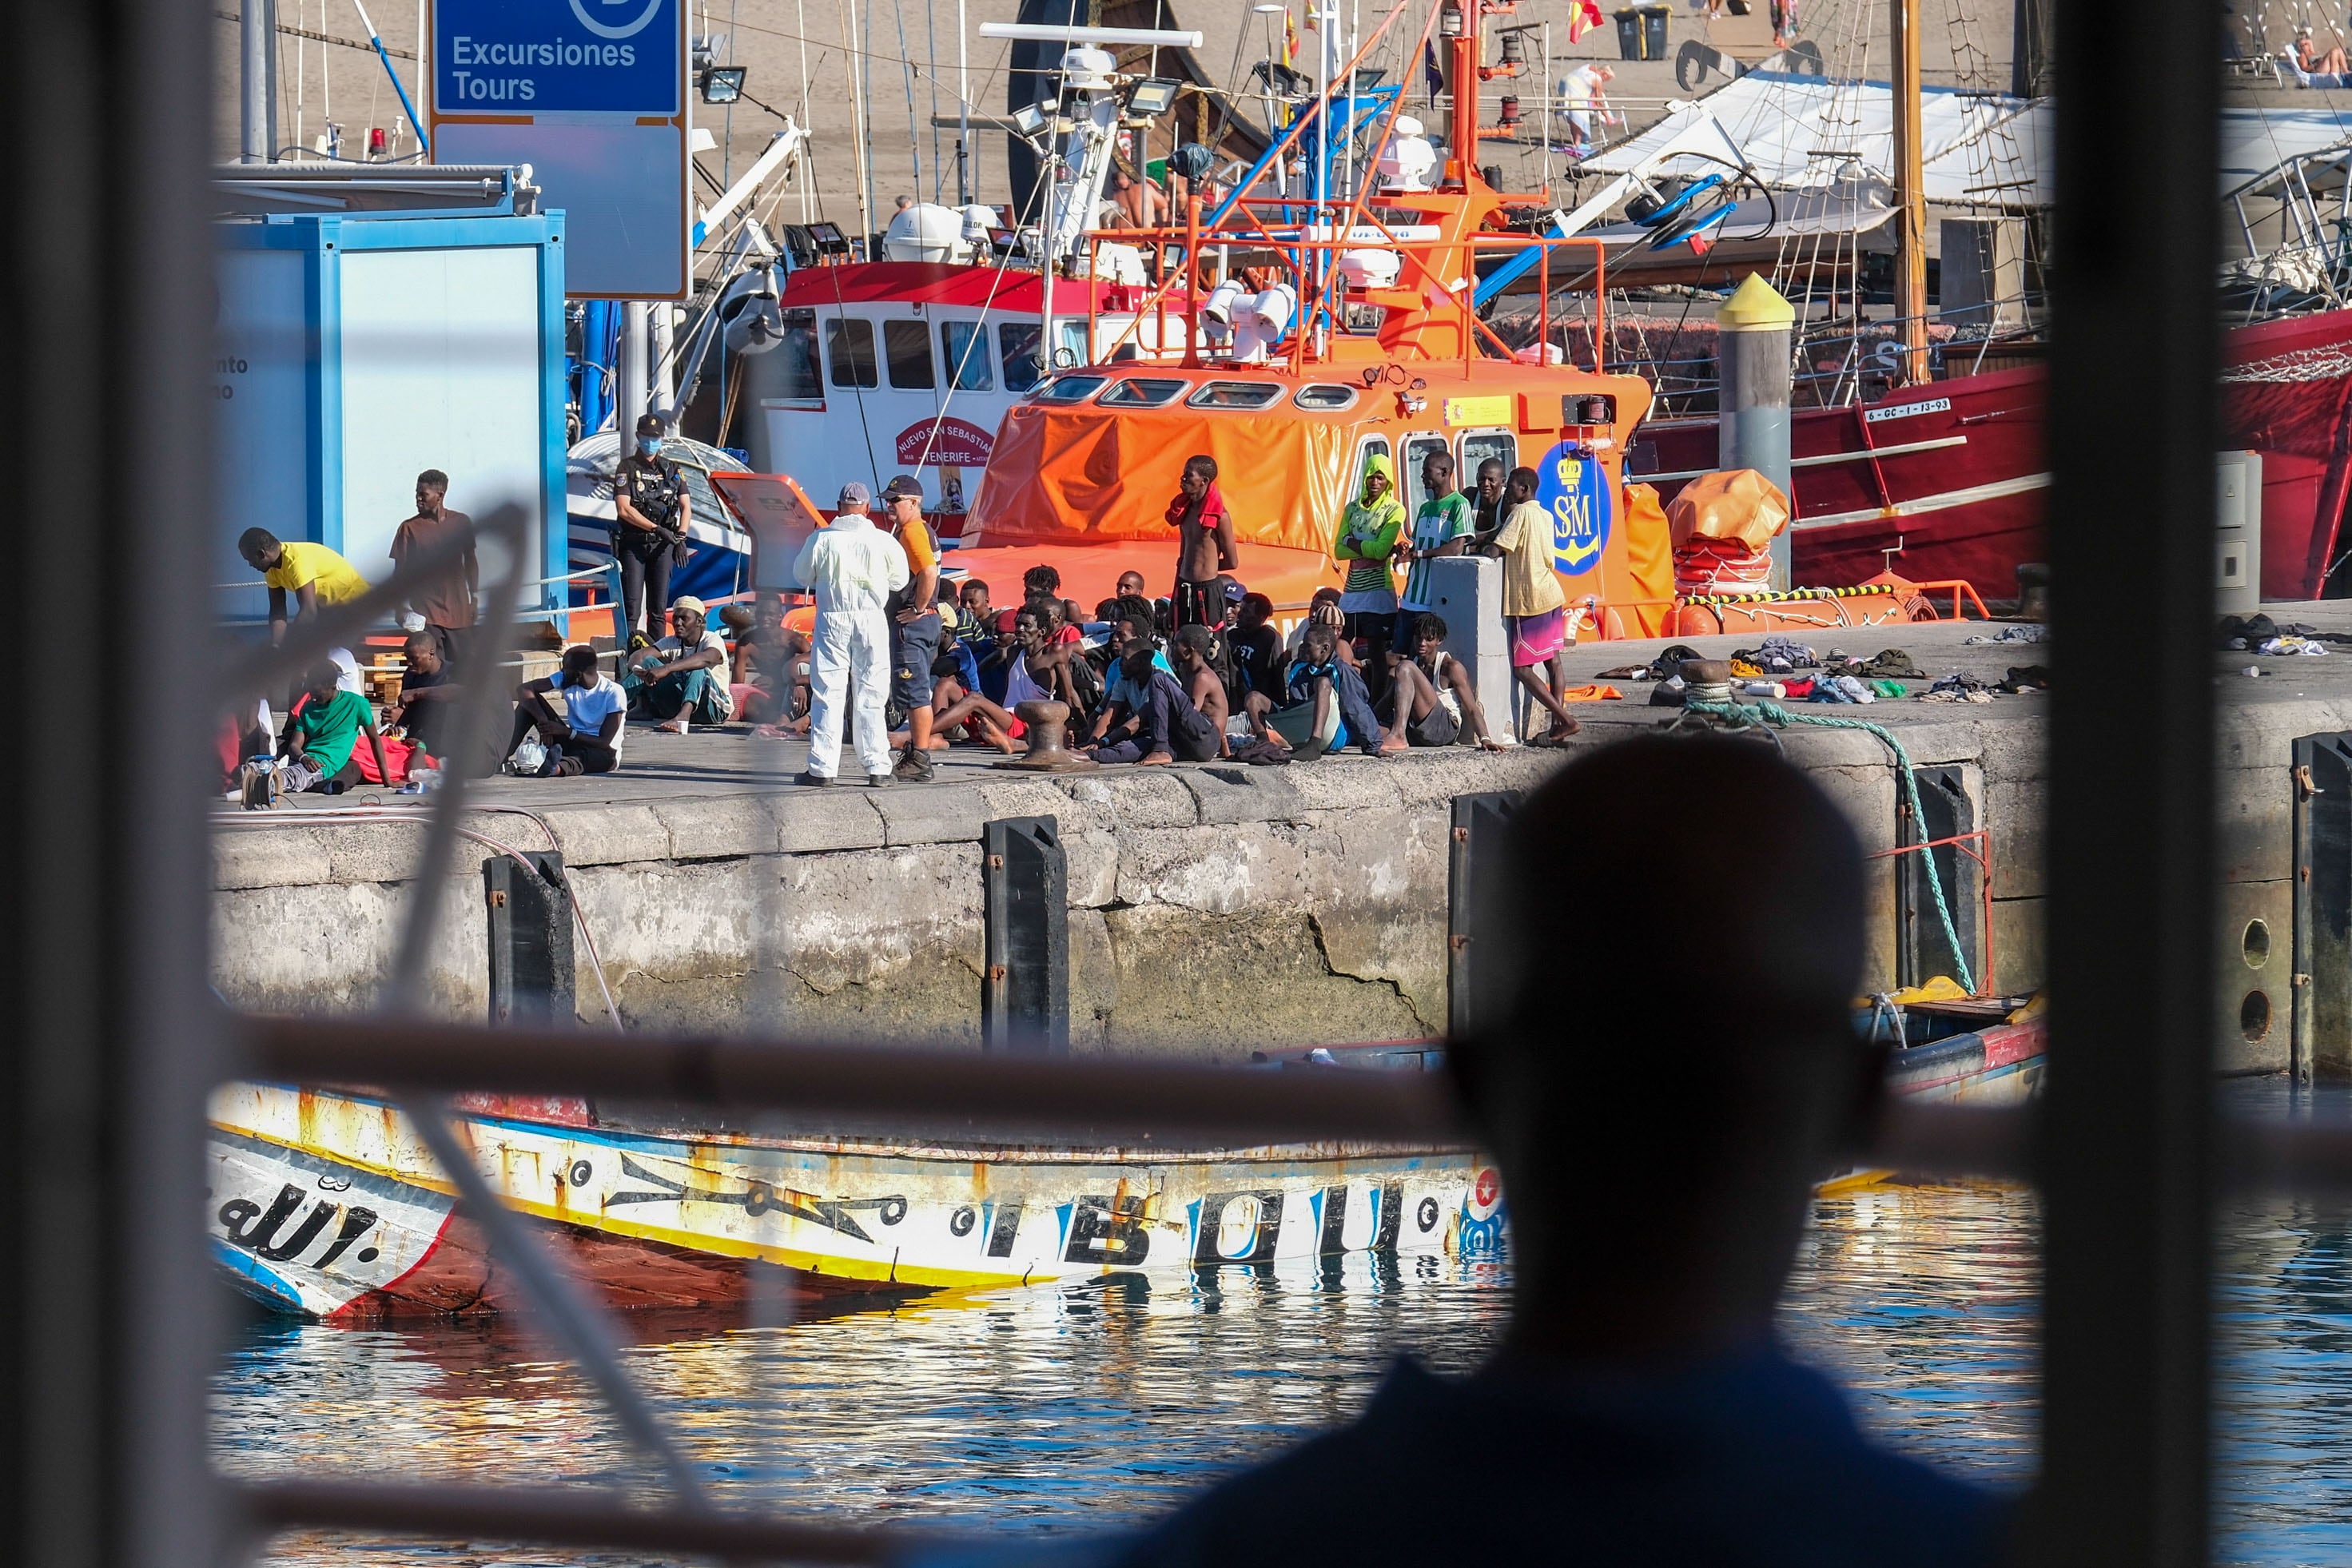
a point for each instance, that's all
(1366, 539)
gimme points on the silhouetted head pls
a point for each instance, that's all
(1664, 1059)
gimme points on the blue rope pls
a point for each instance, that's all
(1743, 715)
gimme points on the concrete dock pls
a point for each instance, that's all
(1215, 908)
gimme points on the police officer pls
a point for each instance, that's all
(650, 514)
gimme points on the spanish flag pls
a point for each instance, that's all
(1583, 17)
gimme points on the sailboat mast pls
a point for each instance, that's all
(1910, 195)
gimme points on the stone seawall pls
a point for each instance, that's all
(1212, 909)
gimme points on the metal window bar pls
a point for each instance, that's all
(108, 1329)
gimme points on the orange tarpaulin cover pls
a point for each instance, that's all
(1068, 477)
(1640, 589)
(1739, 505)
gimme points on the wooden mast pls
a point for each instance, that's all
(1910, 193)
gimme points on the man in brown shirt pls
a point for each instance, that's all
(446, 600)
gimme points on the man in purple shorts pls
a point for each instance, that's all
(1535, 611)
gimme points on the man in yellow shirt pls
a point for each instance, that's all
(313, 573)
(1535, 610)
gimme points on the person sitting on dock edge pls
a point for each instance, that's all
(1205, 545)
(322, 739)
(585, 736)
(1435, 698)
(1151, 720)
(682, 678)
(1641, 1407)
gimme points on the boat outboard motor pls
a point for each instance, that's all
(753, 321)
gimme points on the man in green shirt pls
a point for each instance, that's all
(320, 740)
(1441, 527)
(1367, 539)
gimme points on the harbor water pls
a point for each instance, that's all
(1092, 1407)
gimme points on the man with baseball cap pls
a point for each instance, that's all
(913, 626)
(854, 570)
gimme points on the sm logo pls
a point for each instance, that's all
(1575, 491)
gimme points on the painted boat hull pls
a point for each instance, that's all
(1952, 473)
(326, 1205)
(1950, 480)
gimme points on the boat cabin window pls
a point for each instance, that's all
(1323, 394)
(1235, 395)
(1016, 341)
(798, 378)
(1142, 391)
(1071, 388)
(1417, 449)
(963, 348)
(849, 351)
(1477, 445)
(908, 346)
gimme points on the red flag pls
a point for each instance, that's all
(1583, 17)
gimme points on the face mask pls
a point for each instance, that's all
(649, 445)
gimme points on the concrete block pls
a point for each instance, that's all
(1249, 865)
(1466, 591)
(2020, 944)
(1090, 868)
(712, 828)
(1094, 983)
(384, 851)
(2254, 991)
(1241, 794)
(2254, 821)
(259, 856)
(1148, 797)
(1014, 795)
(1377, 884)
(609, 833)
(931, 814)
(1214, 988)
(2016, 811)
(809, 821)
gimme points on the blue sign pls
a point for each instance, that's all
(1575, 489)
(558, 57)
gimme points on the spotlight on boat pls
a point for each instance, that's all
(1217, 310)
(1029, 121)
(723, 84)
(1151, 98)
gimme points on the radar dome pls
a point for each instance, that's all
(925, 232)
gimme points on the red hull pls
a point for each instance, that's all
(1958, 490)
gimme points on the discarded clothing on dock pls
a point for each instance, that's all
(2024, 631)
(2026, 678)
(1843, 688)
(1671, 692)
(1887, 664)
(1957, 687)
(1780, 655)
(2294, 646)
(1668, 666)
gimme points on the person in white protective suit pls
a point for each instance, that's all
(853, 568)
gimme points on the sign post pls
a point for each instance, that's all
(592, 95)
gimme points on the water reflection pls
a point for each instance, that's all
(1094, 1406)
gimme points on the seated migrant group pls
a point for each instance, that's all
(1200, 674)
